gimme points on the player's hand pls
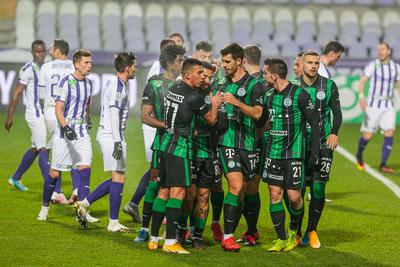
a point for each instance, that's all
(363, 104)
(117, 154)
(89, 122)
(70, 133)
(216, 100)
(333, 141)
(8, 124)
(314, 163)
(230, 99)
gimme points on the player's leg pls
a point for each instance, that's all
(251, 211)
(387, 124)
(368, 128)
(186, 212)
(26, 162)
(48, 189)
(132, 207)
(201, 214)
(277, 213)
(217, 202)
(116, 188)
(75, 184)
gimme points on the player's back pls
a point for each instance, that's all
(29, 76)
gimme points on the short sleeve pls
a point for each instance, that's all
(115, 95)
(197, 104)
(257, 95)
(63, 90)
(25, 75)
(369, 70)
(148, 95)
(397, 67)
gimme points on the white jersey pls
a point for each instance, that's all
(49, 78)
(382, 79)
(76, 96)
(155, 69)
(29, 76)
(115, 95)
(324, 71)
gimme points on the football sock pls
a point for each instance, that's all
(362, 143)
(44, 163)
(26, 162)
(115, 199)
(192, 218)
(295, 216)
(230, 210)
(217, 201)
(239, 212)
(183, 218)
(317, 204)
(147, 211)
(199, 225)
(277, 212)
(58, 185)
(141, 188)
(75, 178)
(172, 213)
(159, 208)
(299, 233)
(48, 189)
(149, 197)
(100, 191)
(386, 149)
(84, 183)
(252, 204)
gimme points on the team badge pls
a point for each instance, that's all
(231, 164)
(221, 80)
(321, 95)
(207, 99)
(269, 92)
(241, 91)
(287, 102)
(157, 83)
(264, 174)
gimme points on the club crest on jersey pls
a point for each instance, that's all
(207, 99)
(72, 82)
(157, 83)
(241, 91)
(231, 164)
(287, 102)
(321, 95)
(269, 92)
(221, 80)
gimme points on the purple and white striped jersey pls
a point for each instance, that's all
(382, 79)
(29, 76)
(115, 95)
(51, 75)
(76, 95)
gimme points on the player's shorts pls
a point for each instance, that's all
(51, 124)
(238, 160)
(68, 154)
(285, 173)
(205, 172)
(326, 157)
(155, 159)
(261, 156)
(174, 171)
(38, 130)
(148, 134)
(106, 143)
(384, 119)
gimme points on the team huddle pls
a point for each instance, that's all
(229, 119)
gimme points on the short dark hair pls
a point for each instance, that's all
(234, 49)
(177, 34)
(300, 54)
(310, 53)
(189, 63)
(208, 66)
(277, 66)
(333, 46)
(169, 54)
(204, 45)
(252, 54)
(78, 54)
(37, 42)
(123, 60)
(165, 42)
(61, 45)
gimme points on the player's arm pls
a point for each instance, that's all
(334, 104)
(147, 114)
(59, 109)
(19, 89)
(361, 96)
(89, 113)
(212, 115)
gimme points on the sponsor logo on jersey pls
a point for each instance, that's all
(278, 133)
(175, 97)
(275, 177)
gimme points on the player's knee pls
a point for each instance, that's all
(34, 150)
(54, 174)
(275, 196)
(389, 133)
(318, 190)
(82, 167)
(118, 177)
(203, 196)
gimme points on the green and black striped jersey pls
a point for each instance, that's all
(154, 95)
(325, 97)
(239, 130)
(289, 109)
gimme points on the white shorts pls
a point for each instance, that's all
(148, 133)
(68, 154)
(51, 123)
(384, 119)
(106, 143)
(38, 130)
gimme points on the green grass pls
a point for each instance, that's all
(360, 227)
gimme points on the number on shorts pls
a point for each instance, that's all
(297, 172)
(325, 166)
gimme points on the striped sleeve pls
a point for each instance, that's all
(369, 70)
(115, 94)
(25, 74)
(62, 90)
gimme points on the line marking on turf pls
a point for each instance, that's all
(374, 173)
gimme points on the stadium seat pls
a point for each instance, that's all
(259, 1)
(312, 46)
(241, 25)
(372, 30)
(322, 2)
(280, 1)
(24, 23)
(357, 51)
(327, 25)
(349, 27)
(290, 49)
(90, 25)
(68, 23)
(219, 25)
(133, 27)
(270, 49)
(301, 2)
(391, 24)
(387, 3)
(263, 26)
(342, 2)
(364, 2)
(284, 26)
(46, 21)
(176, 20)
(306, 29)
(111, 25)
(198, 26)
(154, 26)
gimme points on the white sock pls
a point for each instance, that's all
(45, 208)
(227, 236)
(169, 242)
(154, 239)
(146, 229)
(84, 203)
(114, 221)
(75, 192)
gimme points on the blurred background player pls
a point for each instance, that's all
(297, 65)
(28, 85)
(51, 74)
(383, 74)
(111, 139)
(330, 56)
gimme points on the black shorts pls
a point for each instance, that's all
(326, 157)
(285, 173)
(238, 160)
(205, 172)
(262, 155)
(155, 159)
(174, 171)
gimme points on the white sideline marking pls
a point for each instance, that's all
(374, 173)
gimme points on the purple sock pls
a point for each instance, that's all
(362, 143)
(141, 189)
(26, 162)
(58, 185)
(48, 189)
(75, 178)
(386, 149)
(100, 191)
(84, 184)
(44, 163)
(115, 199)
